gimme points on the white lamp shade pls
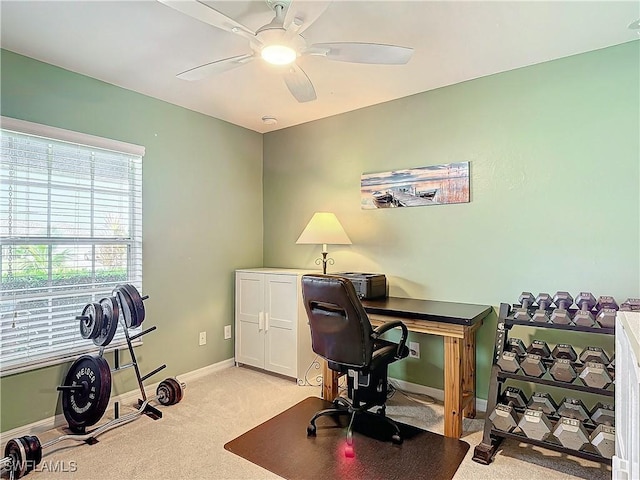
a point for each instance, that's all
(324, 228)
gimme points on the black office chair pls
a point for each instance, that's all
(342, 334)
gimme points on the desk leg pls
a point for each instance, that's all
(453, 386)
(469, 380)
(329, 383)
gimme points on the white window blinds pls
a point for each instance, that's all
(70, 231)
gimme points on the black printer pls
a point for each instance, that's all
(367, 285)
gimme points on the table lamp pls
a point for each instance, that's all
(324, 228)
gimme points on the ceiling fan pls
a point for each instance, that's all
(280, 42)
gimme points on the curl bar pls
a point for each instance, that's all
(23, 454)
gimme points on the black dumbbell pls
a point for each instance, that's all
(603, 414)
(570, 430)
(535, 422)
(540, 315)
(543, 401)
(596, 371)
(526, 300)
(594, 354)
(517, 346)
(504, 417)
(562, 300)
(607, 309)
(509, 361)
(573, 408)
(595, 375)
(571, 433)
(604, 436)
(562, 369)
(584, 317)
(539, 347)
(532, 364)
(603, 439)
(630, 305)
(564, 350)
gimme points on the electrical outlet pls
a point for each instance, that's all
(414, 350)
(203, 338)
(227, 332)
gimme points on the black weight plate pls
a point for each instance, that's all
(165, 393)
(84, 406)
(109, 322)
(138, 303)
(126, 306)
(177, 388)
(110, 308)
(91, 325)
(35, 451)
(16, 449)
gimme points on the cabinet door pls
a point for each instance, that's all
(250, 319)
(281, 310)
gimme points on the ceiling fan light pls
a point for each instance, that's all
(278, 54)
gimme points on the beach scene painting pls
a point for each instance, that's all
(415, 187)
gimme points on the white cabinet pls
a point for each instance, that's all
(626, 462)
(272, 330)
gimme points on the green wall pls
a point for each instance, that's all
(555, 192)
(202, 203)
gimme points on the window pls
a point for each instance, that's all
(70, 231)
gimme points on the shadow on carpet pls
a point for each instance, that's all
(281, 446)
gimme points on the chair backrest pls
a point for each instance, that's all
(340, 328)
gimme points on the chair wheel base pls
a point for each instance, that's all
(311, 431)
(396, 439)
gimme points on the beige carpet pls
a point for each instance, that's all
(187, 443)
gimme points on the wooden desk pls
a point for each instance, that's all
(457, 324)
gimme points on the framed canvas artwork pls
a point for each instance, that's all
(415, 187)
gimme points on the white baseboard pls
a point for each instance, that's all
(127, 398)
(436, 393)
(201, 372)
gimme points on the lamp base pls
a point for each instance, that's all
(324, 260)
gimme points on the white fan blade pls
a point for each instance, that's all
(353, 52)
(300, 15)
(219, 66)
(209, 15)
(299, 84)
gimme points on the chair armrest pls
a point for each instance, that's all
(378, 331)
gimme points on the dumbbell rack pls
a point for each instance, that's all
(492, 437)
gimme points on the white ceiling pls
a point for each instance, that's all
(142, 45)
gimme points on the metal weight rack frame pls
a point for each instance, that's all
(99, 321)
(148, 409)
(87, 387)
(492, 437)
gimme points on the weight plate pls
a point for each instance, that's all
(111, 312)
(138, 303)
(165, 393)
(91, 320)
(126, 306)
(110, 308)
(84, 406)
(169, 391)
(35, 451)
(177, 389)
(16, 449)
